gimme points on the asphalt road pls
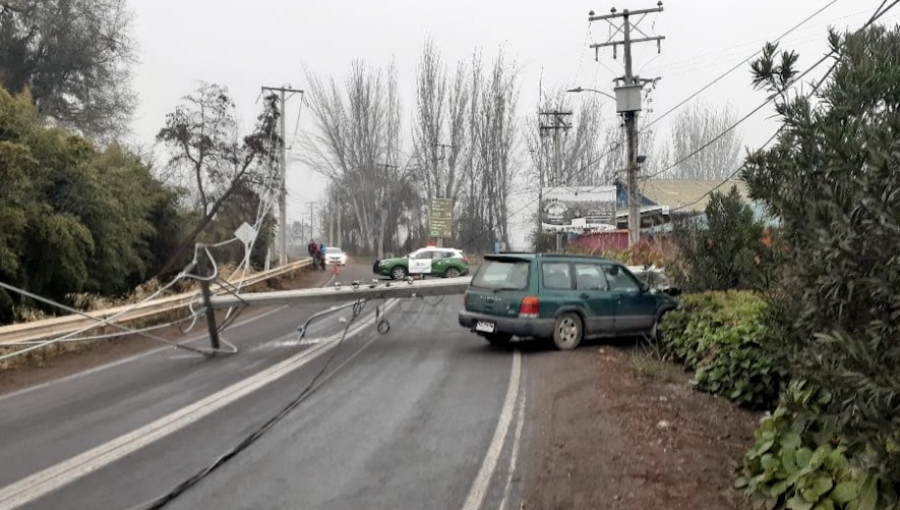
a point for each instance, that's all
(425, 416)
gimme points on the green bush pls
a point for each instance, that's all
(720, 335)
(797, 461)
(785, 469)
(832, 178)
(726, 251)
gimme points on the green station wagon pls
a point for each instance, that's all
(563, 297)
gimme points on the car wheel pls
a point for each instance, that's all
(498, 339)
(567, 332)
(451, 273)
(398, 273)
(656, 333)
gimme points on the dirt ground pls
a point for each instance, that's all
(64, 360)
(612, 427)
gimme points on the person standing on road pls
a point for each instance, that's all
(322, 255)
(313, 249)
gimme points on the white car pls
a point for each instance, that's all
(334, 255)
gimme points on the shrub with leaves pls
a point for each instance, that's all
(784, 469)
(797, 461)
(833, 178)
(73, 218)
(723, 252)
(646, 253)
(721, 335)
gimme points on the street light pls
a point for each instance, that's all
(580, 89)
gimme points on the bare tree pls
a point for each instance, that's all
(581, 148)
(203, 143)
(494, 142)
(440, 131)
(74, 56)
(464, 147)
(693, 128)
(202, 135)
(357, 147)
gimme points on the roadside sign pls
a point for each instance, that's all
(440, 217)
(245, 233)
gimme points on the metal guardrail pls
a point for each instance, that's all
(38, 330)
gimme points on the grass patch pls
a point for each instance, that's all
(648, 364)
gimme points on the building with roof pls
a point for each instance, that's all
(663, 199)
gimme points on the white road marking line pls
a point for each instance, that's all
(514, 456)
(483, 479)
(43, 482)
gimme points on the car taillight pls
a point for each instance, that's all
(530, 307)
(465, 259)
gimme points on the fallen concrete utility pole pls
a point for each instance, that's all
(383, 289)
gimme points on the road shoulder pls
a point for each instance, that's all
(609, 428)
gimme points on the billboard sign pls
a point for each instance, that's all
(579, 209)
(440, 217)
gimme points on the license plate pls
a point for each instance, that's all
(485, 326)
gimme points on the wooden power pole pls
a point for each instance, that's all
(628, 99)
(557, 122)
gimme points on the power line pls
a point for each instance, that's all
(709, 59)
(587, 37)
(879, 13)
(734, 68)
(774, 96)
(296, 126)
(723, 133)
(248, 440)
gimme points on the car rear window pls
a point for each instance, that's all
(503, 274)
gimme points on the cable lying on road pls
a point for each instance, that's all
(358, 306)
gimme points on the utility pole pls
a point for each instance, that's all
(311, 220)
(204, 267)
(381, 232)
(628, 99)
(443, 146)
(540, 212)
(282, 192)
(331, 241)
(340, 233)
(557, 123)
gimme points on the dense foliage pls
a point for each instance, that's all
(78, 219)
(797, 462)
(724, 250)
(649, 252)
(74, 56)
(721, 336)
(75, 218)
(833, 177)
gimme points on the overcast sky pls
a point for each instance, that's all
(244, 45)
